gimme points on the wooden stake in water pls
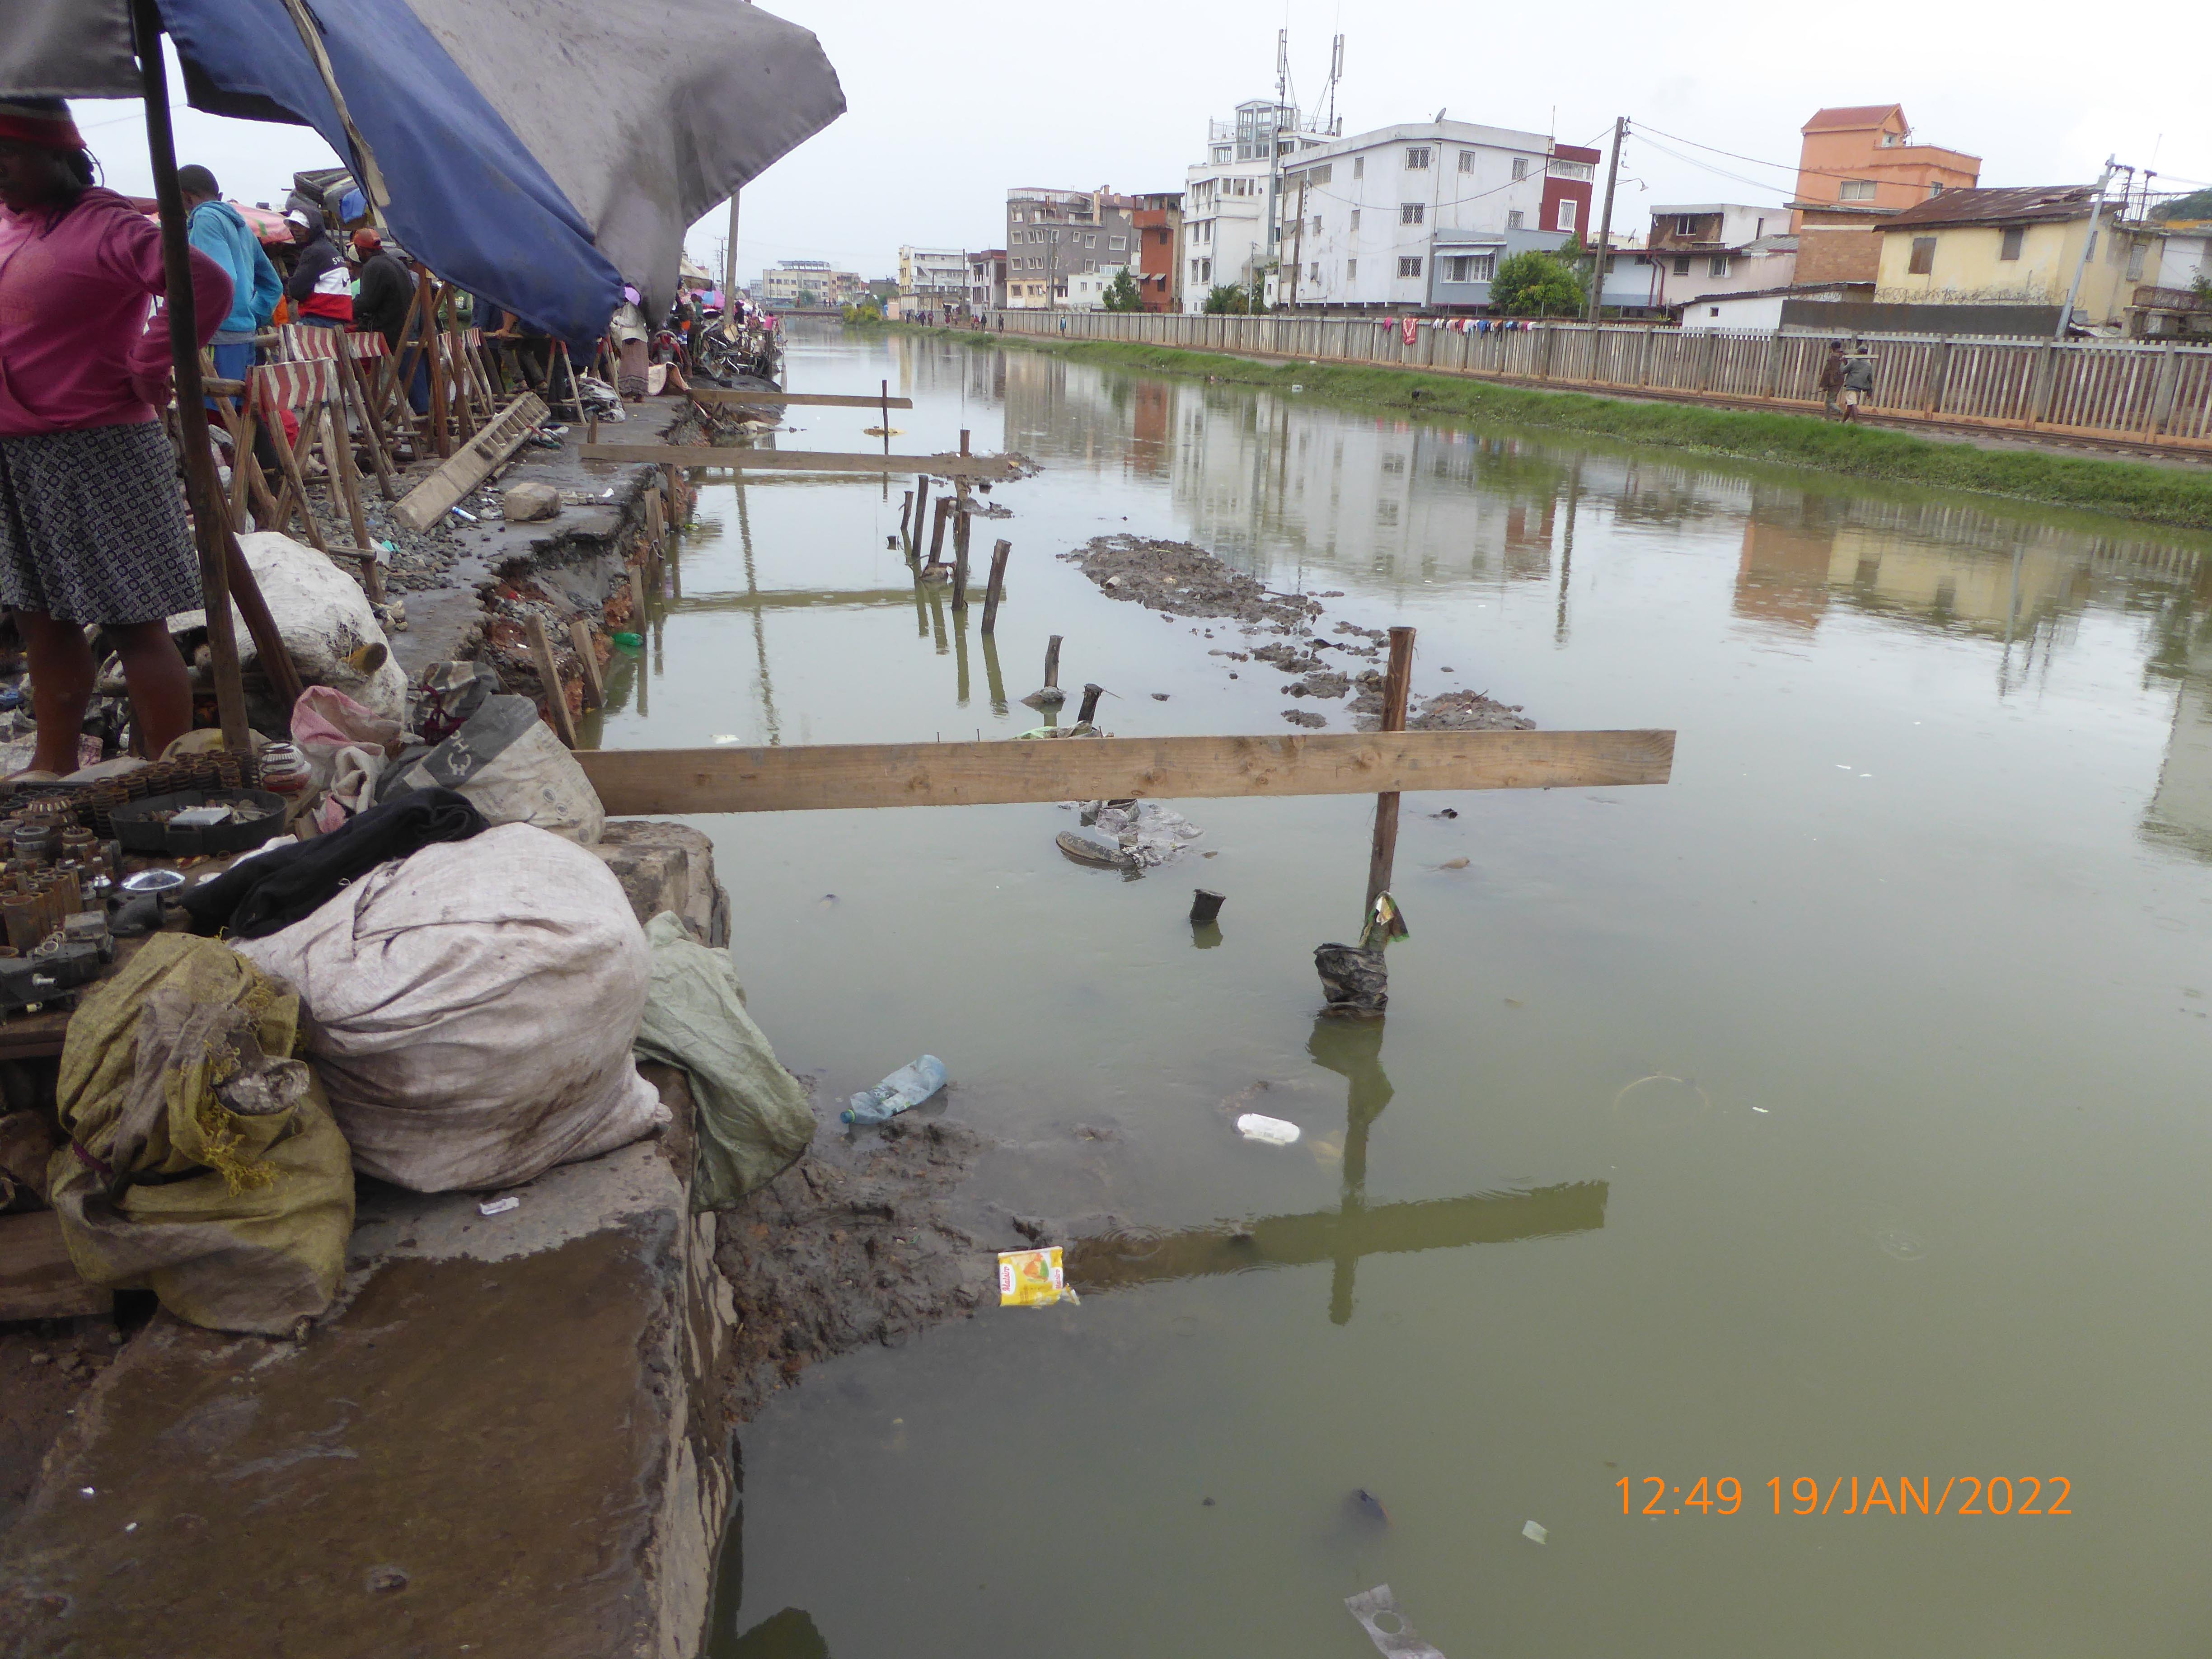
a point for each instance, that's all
(920, 513)
(579, 635)
(1396, 685)
(937, 529)
(998, 582)
(887, 417)
(557, 695)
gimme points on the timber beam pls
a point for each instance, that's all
(716, 394)
(803, 460)
(641, 782)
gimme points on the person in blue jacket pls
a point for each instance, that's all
(220, 231)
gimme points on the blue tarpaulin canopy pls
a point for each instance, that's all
(540, 153)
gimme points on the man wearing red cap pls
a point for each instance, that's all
(92, 529)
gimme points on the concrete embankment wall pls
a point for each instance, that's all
(2143, 396)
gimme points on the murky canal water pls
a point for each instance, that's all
(1837, 1111)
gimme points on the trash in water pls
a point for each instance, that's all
(1033, 1279)
(1270, 1131)
(1205, 906)
(1388, 1627)
(909, 1086)
(1386, 924)
(499, 1205)
(463, 512)
(1147, 833)
(1534, 1532)
(1094, 849)
(631, 642)
(1355, 980)
(1449, 812)
(1368, 1506)
(1454, 864)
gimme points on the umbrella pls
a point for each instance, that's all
(540, 156)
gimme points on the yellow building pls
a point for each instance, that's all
(2015, 248)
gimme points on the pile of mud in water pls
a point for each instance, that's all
(1186, 581)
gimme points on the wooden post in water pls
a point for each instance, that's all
(636, 600)
(905, 514)
(998, 582)
(937, 529)
(1396, 685)
(1052, 661)
(579, 635)
(557, 695)
(921, 514)
(887, 417)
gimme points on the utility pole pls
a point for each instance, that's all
(2090, 241)
(730, 274)
(1605, 222)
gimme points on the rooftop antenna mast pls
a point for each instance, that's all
(1330, 123)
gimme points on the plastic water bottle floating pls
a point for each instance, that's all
(909, 1086)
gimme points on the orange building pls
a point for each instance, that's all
(1858, 166)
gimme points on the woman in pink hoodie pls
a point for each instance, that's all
(92, 524)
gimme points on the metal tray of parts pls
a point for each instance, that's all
(137, 827)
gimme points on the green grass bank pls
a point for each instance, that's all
(2131, 489)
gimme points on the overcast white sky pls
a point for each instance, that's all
(946, 111)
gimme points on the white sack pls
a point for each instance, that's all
(470, 1009)
(321, 615)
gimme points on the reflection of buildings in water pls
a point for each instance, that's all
(1782, 576)
(1068, 410)
(2180, 810)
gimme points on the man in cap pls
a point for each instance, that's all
(320, 287)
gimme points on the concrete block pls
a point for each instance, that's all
(527, 502)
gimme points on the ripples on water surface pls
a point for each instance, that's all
(1835, 1110)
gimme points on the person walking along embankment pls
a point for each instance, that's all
(92, 523)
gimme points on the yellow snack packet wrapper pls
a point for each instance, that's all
(1032, 1279)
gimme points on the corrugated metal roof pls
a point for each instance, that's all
(2014, 205)
(1853, 118)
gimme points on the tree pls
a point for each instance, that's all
(1122, 292)
(1228, 300)
(2195, 206)
(1535, 284)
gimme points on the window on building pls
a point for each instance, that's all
(1417, 159)
(1313, 273)
(1717, 265)
(1681, 264)
(1359, 167)
(1470, 267)
(1566, 216)
(1515, 220)
(2008, 244)
(1856, 190)
(1520, 167)
(1351, 269)
(1467, 161)
(1117, 241)
(1923, 256)
(1355, 219)
(1934, 188)
(1316, 224)
(1560, 169)
(1685, 226)
(1220, 154)
(1412, 213)
(2136, 262)
(1409, 264)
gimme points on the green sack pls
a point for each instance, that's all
(754, 1119)
(203, 1163)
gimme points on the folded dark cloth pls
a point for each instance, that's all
(277, 888)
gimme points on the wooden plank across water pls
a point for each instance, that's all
(803, 460)
(633, 782)
(714, 394)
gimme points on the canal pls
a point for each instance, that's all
(1834, 1115)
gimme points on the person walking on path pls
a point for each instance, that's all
(1831, 378)
(320, 287)
(92, 526)
(1858, 382)
(220, 231)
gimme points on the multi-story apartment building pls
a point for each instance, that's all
(1231, 210)
(986, 279)
(810, 282)
(932, 277)
(1052, 235)
(1418, 217)
(1159, 264)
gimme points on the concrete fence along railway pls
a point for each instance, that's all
(2156, 394)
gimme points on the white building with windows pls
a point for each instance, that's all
(929, 276)
(1231, 203)
(1419, 215)
(1708, 251)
